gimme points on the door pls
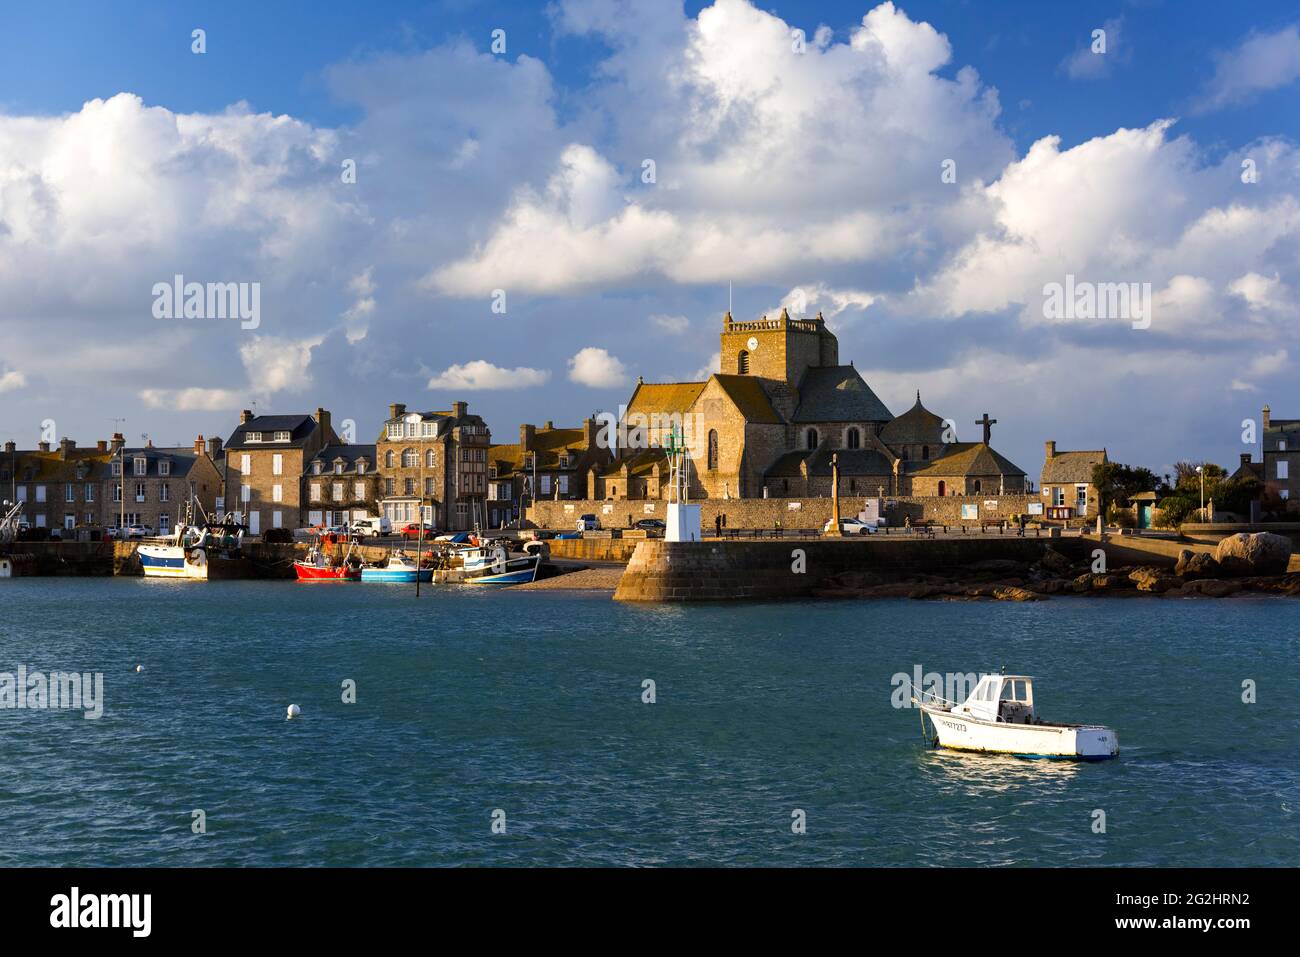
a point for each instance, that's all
(1144, 516)
(255, 522)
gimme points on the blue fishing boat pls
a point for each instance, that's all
(400, 568)
(489, 563)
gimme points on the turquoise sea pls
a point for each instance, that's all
(471, 702)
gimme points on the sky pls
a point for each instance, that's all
(534, 225)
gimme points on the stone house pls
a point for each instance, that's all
(58, 487)
(1067, 489)
(266, 463)
(435, 464)
(152, 486)
(560, 463)
(1280, 455)
(341, 486)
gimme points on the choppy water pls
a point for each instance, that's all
(472, 701)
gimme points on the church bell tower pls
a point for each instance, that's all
(780, 348)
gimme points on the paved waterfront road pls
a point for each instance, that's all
(471, 701)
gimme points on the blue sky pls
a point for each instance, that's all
(816, 175)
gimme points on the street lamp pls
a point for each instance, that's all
(1200, 470)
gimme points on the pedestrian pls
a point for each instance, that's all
(717, 526)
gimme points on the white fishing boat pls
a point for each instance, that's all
(999, 716)
(490, 563)
(191, 550)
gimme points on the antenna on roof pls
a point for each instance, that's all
(728, 295)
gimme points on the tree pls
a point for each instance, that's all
(1116, 484)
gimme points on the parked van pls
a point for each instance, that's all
(372, 526)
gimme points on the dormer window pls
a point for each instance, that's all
(429, 430)
(361, 466)
(564, 461)
(315, 468)
(338, 467)
(282, 436)
(141, 465)
(164, 468)
(253, 437)
(394, 430)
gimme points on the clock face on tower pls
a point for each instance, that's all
(752, 343)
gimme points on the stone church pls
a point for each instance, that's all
(767, 424)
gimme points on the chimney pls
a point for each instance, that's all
(43, 446)
(118, 441)
(245, 416)
(589, 432)
(396, 410)
(199, 445)
(1267, 414)
(214, 447)
(10, 447)
(1051, 449)
(66, 445)
(526, 435)
(1245, 458)
(459, 409)
(548, 426)
(101, 445)
(323, 419)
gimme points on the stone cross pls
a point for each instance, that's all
(835, 496)
(988, 426)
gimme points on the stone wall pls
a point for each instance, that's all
(763, 570)
(789, 512)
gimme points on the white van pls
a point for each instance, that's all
(372, 526)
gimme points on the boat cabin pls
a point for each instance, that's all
(1008, 698)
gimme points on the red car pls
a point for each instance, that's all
(411, 531)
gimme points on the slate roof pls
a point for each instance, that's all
(748, 395)
(917, 426)
(299, 427)
(838, 394)
(1071, 468)
(644, 462)
(350, 454)
(970, 458)
(549, 444)
(853, 462)
(1278, 429)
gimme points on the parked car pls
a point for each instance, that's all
(651, 525)
(456, 538)
(588, 523)
(411, 531)
(138, 531)
(374, 525)
(852, 526)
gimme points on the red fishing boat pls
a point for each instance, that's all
(318, 566)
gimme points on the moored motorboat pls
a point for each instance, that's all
(490, 563)
(399, 568)
(998, 716)
(319, 566)
(191, 550)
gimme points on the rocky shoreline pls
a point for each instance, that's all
(1242, 564)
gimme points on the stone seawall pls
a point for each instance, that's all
(593, 549)
(758, 570)
(789, 512)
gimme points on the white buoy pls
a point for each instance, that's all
(139, 668)
(294, 711)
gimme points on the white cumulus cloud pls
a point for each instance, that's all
(597, 368)
(481, 374)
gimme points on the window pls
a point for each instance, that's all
(139, 491)
(316, 468)
(852, 439)
(564, 460)
(810, 439)
(977, 485)
(253, 437)
(245, 493)
(281, 437)
(712, 460)
(1281, 445)
(338, 491)
(40, 493)
(245, 464)
(545, 485)
(164, 523)
(1283, 470)
(359, 490)
(389, 488)
(412, 429)
(742, 363)
(117, 493)
(277, 493)
(277, 519)
(361, 466)
(410, 458)
(943, 488)
(563, 480)
(141, 465)
(388, 459)
(925, 452)
(431, 459)
(277, 464)
(315, 491)
(429, 430)
(117, 469)
(22, 493)
(69, 520)
(69, 493)
(1058, 496)
(408, 486)
(394, 430)
(338, 468)
(164, 492)
(90, 492)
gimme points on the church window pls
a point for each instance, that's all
(852, 439)
(904, 456)
(925, 451)
(713, 448)
(811, 438)
(853, 485)
(785, 486)
(943, 488)
(977, 485)
(742, 362)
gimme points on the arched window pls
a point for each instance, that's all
(853, 485)
(925, 451)
(977, 485)
(410, 458)
(742, 362)
(713, 448)
(942, 489)
(904, 455)
(431, 458)
(811, 439)
(852, 439)
(388, 459)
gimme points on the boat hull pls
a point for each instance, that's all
(1063, 742)
(395, 576)
(316, 573)
(169, 561)
(505, 578)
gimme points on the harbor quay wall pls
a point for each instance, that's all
(789, 512)
(762, 570)
(594, 549)
(1163, 552)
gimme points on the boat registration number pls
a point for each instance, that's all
(954, 725)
